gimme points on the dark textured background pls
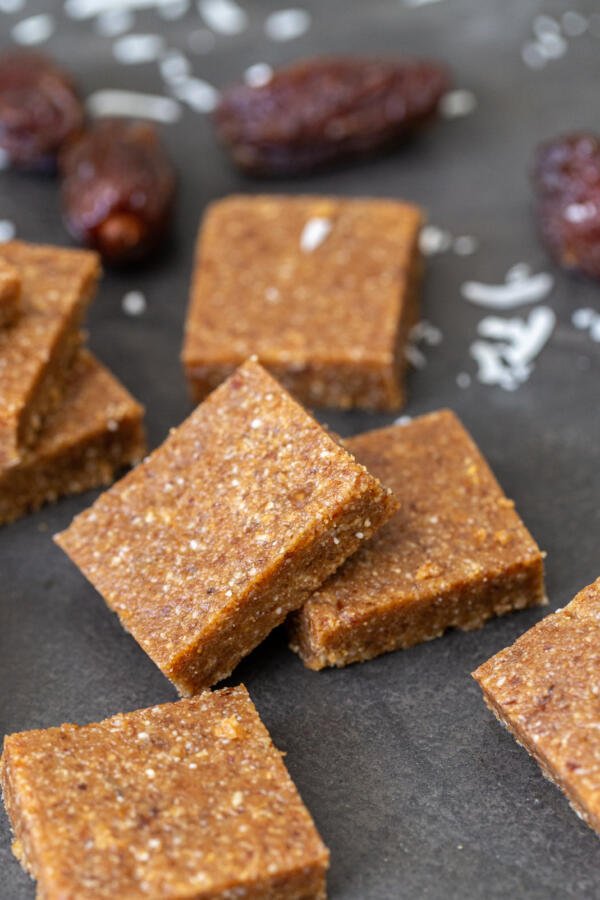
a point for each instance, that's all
(415, 788)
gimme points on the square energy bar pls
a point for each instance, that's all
(323, 290)
(229, 526)
(189, 800)
(546, 690)
(455, 554)
(37, 350)
(10, 293)
(95, 433)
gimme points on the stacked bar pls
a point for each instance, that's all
(66, 424)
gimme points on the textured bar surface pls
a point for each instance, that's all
(241, 514)
(37, 351)
(546, 689)
(97, 431)
(323, 290)
(455, 554)
(186, 800)
(10, 293)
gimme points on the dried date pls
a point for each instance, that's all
(317, 112)
(567, 183)
(39, 110)
(118, 189)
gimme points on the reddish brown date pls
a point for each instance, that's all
(317, 112)
(118, 189)
(39, 110)
(567, 182)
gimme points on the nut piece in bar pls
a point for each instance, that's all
(96, 432)
(242, 513)
(10, 293)
(323, 290)
(40, 109)
(117, 189)
(37, 351)
(189, 800)
(455, 554)
(546, 689)
(320, 111)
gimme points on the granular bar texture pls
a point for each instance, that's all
(10, 293)
(95, 433)
(37, 351)
(189, 800)
(323, 290)
(455, 554)
(546, 689)
(229, 526)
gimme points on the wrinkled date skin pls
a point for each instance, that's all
(39, 110)
(118, 189)
(317, 112)
(567, 182)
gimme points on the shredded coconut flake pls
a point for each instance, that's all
(134, 49)
(130, 103)
(314, 233)
(465, 245)
(579, 212)
(433, 240)
(426, 332)
(574, 24)
(173, 10)
(34, 30)
(532, 57)
(174, 66)
(287, 24)
(457, 103)
(7, 230)
(11, 6)
(258, 74)
(134, 303)
(88, 9)
(587, 319)
(113, 22)
(223, 16)
(508, 363)
(518, 289)
(198, 94)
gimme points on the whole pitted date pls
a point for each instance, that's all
(567, 182)
(39, 110)
(323, 110)
(118, 189)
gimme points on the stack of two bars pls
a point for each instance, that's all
(242, 517)
(66, 424)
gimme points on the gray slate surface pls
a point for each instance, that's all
(415, 788)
